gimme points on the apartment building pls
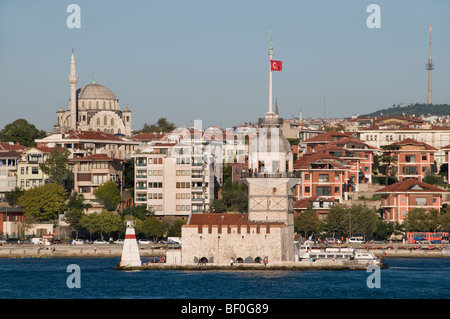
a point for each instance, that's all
(29, 173)
(323, 175)
(93, 170)
(414, 159)
(10, 154)
(172, 182)
(401, 197)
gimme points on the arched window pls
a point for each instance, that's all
(96, 104)
(112, 121)
(90, 104)
(119, 131)
(104, 104)
(105, 120)
(98, 121)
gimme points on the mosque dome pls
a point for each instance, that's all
(96, 91)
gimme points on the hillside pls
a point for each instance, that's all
(416, 109)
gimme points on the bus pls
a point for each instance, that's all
(432, 237)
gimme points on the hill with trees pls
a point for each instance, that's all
(416, 109)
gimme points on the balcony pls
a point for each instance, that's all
(271, 175)
(199, 199)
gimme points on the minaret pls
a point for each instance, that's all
(430, 67)
(73, 79)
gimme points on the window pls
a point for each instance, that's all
(404, 200)
(424, 157)
(307, 189)
(410, 158)
(325, 191)
(336, 177)
(35, 170)
(410, 170)
(307, 177)
(421, 201)
(323, 177)
(434, 200)
(336, 189)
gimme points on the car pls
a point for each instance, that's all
(77, 242)
(444, 240)
(13, 241)
(2, 242)
(332, 241)
(424, 242)
(145, 241)
(355, 240)
(100, 242)
(119, 241)
(172, 242)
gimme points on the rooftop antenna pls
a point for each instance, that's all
(429, 67)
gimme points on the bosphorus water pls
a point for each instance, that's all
(46, 278)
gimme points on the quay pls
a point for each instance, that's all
(156, 250)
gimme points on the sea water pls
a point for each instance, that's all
(47, 278)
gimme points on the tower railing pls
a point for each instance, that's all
(270, 175)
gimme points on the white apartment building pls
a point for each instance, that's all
(172, 182)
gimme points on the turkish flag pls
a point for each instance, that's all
(276, 65)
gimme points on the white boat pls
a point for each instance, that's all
(307, 253)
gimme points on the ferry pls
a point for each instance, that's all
(308, 253)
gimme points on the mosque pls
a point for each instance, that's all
(93, 107)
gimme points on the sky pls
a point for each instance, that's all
(207, 60)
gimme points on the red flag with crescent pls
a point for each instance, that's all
(276, 65)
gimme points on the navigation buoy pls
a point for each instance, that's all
(130, 251)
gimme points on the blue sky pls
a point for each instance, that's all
(190, 59)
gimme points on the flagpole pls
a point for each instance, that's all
(270, 74)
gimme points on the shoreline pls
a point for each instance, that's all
(114, 250)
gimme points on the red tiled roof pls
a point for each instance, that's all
(93, 157)
(148, 136)
(9, 146)
(225, 219)
(329, 136)
(92, 135)
(410, 141)
(407, 184)
(305, 160)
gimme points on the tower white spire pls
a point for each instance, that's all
(73, 79)
(270, 74)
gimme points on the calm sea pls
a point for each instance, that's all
(33, 278)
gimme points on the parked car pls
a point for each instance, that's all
(444, 240)
(2, 242)
(119, 241)
(424, 242)
(172, 242)
(332, 241)
(100, 242)
(354, 240)
(13, 241)
(77, 242)
(145, 241)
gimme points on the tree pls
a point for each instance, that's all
(337, 220)
(108, 222)
(388, 159)
(307, 222)
(108, 195)
(175, 228)
(56, 166)
(419, 220)
(153, 228)
(12, 197)
(44, 202)
(22, 132)
(162, 125)
(91, 222)
(357, 220)
(75, 213)
(140, 212)
(444, 220)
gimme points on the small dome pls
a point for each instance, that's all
(60, 110)
(264, 144)
(96, 91)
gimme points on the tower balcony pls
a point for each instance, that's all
(271, 175)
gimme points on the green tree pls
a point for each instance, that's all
(12, 197)
(108, 195)
(444, 220)
(44, 202)
(75, 212)
(139, 211)
(22, 132)
(91, 222)
(337, 220)
(419, 220)
(175, 228)
(307, 222)
(388, 159)
(108, 222)
(162, 125)
(153, 228)
(363, 221)
(56, 166)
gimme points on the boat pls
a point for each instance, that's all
(307, 252)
